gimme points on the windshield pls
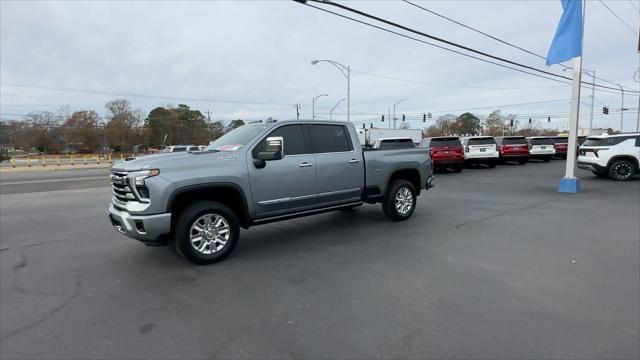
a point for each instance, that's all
(237, 138)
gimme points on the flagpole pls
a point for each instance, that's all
(570, 183)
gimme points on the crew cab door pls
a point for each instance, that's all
(288, 184)
(339, 164)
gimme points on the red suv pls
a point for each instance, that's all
(513, 148)
(561, 144)
(446, 152)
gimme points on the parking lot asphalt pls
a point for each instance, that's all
(494, 263)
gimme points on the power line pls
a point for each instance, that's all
(496, 38)
(450, 43)
(619, 18)
(634, 6)
(452, 85)
(435, 45)
(97, 92)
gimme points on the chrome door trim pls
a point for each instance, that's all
(338, 192)
(287, 199)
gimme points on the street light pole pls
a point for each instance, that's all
(313, 105)
(346, 71)
(334, 107)
(394, 111)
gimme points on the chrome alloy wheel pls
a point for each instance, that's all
(209, 233)
(404, 200)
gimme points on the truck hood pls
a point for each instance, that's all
(171, 160)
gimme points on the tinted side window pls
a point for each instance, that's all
(293, 138)
(637, 141)
(611, 141)
(180, 148)
(329, 138)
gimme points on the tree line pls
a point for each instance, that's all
(496, 124)
(122, 129)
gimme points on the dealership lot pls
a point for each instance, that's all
(493, 263)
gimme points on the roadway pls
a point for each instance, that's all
(37, 181)
(493, 264)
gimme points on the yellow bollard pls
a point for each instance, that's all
(44, 162)
(13, 161)
(84, 158)
(110, 161)
(98, 159)
(28, 161)
(121, 156)
(71, 158)
(58, 160)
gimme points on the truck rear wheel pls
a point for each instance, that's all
(400, 201)
(206, 232)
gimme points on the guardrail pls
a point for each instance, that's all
(58, 160)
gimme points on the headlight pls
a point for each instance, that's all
(139, 176)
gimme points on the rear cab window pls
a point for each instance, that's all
(396, 144)
(326, 138)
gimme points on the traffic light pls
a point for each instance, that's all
(529, 120)
(605, 110)
(511, 122)
(403, 117)
(424, 117)
(548, 118)
(382, 118)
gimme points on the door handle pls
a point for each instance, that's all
(354, 161)
(305, 164)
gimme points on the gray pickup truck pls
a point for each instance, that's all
(259, 173)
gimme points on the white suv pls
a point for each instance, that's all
(480, 150)
(613, 156)
(541, 147)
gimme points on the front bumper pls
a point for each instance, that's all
(149, 229)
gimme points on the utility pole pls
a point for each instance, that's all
(389, 110)
(209, 119)
(298, 111)
(621, 108)
(593, 99)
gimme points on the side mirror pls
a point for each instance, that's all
(273, 150)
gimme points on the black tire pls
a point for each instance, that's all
(600, 174)
(396, 187)
(622, 170)
(196, 212)
(492, 164)
(547, 159)
(522, 161)
(458, 168)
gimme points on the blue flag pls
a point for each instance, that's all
(567, 43)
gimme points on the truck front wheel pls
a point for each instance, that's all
(206, 232)
(400, 201)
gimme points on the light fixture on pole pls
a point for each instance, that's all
(346, 71)
(394, 111)
(313, 105)
(334, 107)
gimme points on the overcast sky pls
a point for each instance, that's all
(251, 59)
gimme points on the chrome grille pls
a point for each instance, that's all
(120, 187)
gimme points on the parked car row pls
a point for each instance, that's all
(613, 156)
